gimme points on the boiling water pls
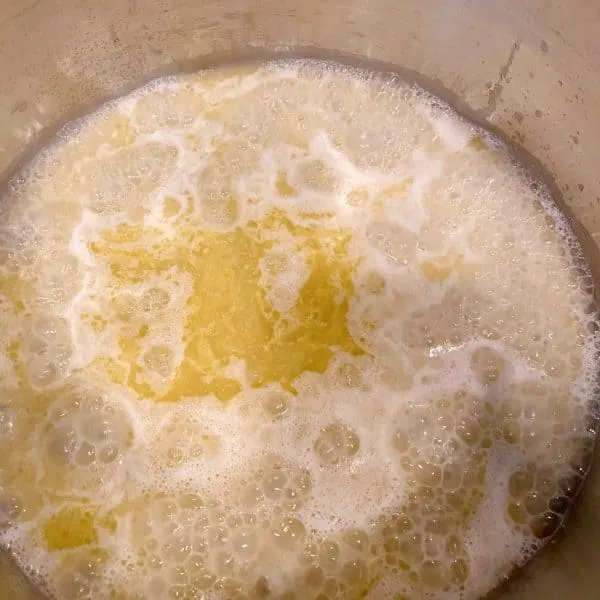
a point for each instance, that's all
(286, 331)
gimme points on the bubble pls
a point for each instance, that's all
(520, 483)
(545, 525)
(397, 244)
(155, 299)
(10, 509)
(51, 329)
(454, 546)
(86, 455)
(62, 443)
(517, 512)
(336, 443)
(125, 306)
(535, 503)
(275, 405)
(431, 574)
(245, 543)
(99, 429)
(350, 375)
(253, 494)
(203, 579)
(555, 367)
(276, 263)
(160, 360)
(125, 180)
(175, 456)
(469, 431)
(220, 208)
(177, 549)
(75, 586)
(274, 483)
(354, 571)
(191, 501)
(84, 430)
(428, 473)
(329, 553)
(311, 552)
(356, 538)
(109, 454)
(289, 532)
(511, 433)
(168, 109)
(318, 176)
(49, 365)
(59, 280)
(358, 197)
(298, 489)
(7, 422)
(314, 577)
(374, 283)
(400, 441)
(440, 268)
(458, 572)
(487, 364)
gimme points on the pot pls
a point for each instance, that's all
(527, 69)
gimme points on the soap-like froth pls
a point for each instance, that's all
(292, 330)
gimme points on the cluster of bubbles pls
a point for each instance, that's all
(48, 350)
(255, 544)
(85, 430)
(288, 331)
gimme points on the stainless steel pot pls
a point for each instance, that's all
(530, 69)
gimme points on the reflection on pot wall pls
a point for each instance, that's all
(529, 68)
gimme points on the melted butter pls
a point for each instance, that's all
(70, 529)
(229, 315)
(75, 527)
(11, 291)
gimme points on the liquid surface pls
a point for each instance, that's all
(286, 331)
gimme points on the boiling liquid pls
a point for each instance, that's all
(286, 331)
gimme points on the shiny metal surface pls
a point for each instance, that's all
(528, 68)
